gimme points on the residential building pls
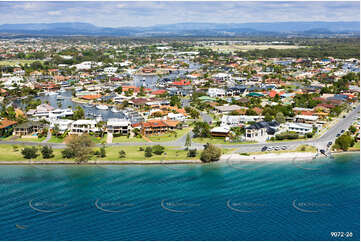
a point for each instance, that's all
(82, 126)
(117, 126)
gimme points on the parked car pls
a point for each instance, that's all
(284, 147)
(269, 148)
(342, 131)
(329, 144)
(264, 148)
(277, 148)
(338, 135)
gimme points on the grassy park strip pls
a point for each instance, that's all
(12, 153)
(218, 141)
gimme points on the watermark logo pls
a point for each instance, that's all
(46, 206)
(244, 207)
(310, 207)
(179, 206)
(242, 165)
(176, 167)
(113, 206)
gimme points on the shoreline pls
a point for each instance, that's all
(271, 157)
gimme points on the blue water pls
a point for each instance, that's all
(185, 202)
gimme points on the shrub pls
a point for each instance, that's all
(141, 149)
(210, 153)
(30, 153)
(122, 154)
(192, 153)
(148, 152)
(67, 153)
(158, 149)
(47, 152)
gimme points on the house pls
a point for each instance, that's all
(222, 131)
(306, 119)
(227, 108)
(300, 128)
(155, 127)
(237, 120)
(5, 127)
(62, 124)
(117, 126)
(28, 128)
(261, 131)
(216, 92)
(83, 126)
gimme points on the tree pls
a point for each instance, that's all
(78, 113)
(148, 152)
(102, 152)
(352, 129)
(119, 90)
(80, 146)
(188, 142)
(122, 154)
(344, 142)
(67, 153)
(47, 152)
(210, 153)
(280, 118)
(30, 153)
(175, 101)
(157, 149)
(202, 129)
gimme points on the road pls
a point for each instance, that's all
(320, 142)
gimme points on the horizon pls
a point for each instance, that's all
(146, 14)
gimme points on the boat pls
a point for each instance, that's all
(102, 107)
(98, 118)
(59, 97)
(51, 93)
(62, 90)
(114, 110)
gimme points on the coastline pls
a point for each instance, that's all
(270, 157)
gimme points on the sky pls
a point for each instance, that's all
(119, 14)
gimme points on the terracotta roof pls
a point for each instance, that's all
(181, 83)
(6, 123)
(91, 97)
(171, 123)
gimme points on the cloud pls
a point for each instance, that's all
(116, 14)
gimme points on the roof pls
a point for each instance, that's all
(181, 83)
(91, 97)
(6, 123)
(228, 108)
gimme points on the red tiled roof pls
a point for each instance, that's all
(181, 83)
(91, 97)
(6, 123)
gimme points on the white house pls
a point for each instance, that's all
(63, 124)
(216, 92)
(176, 116)
(300, 128)
(118, 126)
(83, 126)
(110, 70)
(236, 120)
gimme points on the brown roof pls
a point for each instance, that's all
(6, 123)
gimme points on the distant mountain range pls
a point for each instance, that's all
(186, 29)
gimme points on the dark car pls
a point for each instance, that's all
(322, 151)
(338, 135)
(264, 148)
(342, 131)
(329, 144)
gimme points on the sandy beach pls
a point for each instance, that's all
(274, 157)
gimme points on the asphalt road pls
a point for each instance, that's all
(320, 142)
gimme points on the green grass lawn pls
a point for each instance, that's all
(122, 139)
(35, 139)
(54, 139)
(13, 153)
(170, 136)
(219, 140)
(17, 62)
